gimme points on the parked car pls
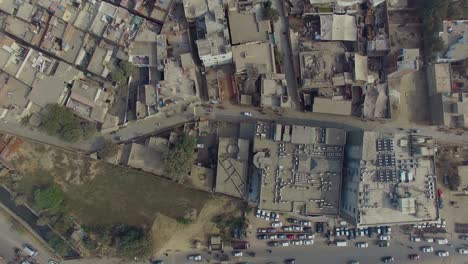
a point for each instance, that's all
(463, 251)
(261, 230)
(288, 228)
(353, 262)
(310, 236)
(293, 221)
(308, 229)
(361, 232)
(290, 261)
(297, 242)
(388, 259)
(370, 231)
(362, 244)
(384, 237)
(301, 236)
(378, 230)
(272, 236)
(441, 241)
(281, 236)
(298, 228)
(319, 227)
(271, 230)
(276, 224)
(290, 236)
(194, 257)
(306, 223)
(154, 262)
(464, 237)
(415, 239)
(429, 239)
(30, 251)
(284, 243)
(427, 249)
(237, 253)
(414, 256)
(308, 242)
(442, 253)
(247, 114)
(262, 237)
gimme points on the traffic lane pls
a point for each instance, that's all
(332, 254)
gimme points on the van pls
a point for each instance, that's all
(341, 243)
(30, 251)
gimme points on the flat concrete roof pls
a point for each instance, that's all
(260, 55)
(302, 178)
(334, 107)
(381, 166)
(245, 28)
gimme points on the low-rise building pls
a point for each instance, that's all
(455, 38)
(245, 28)
(274, 92)
(388, 179)
(298, 168)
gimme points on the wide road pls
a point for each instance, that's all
(334, 255)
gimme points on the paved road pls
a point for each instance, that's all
(9, 239)
(283, 29)
(334, 255)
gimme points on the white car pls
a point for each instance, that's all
(463, 251)
(429, 239)
(297, 242)
(310, 236)
(427, 249)
(384, 237)
(442, 253)
(298, 228)
(415, 239)
(272, 237)
(284, 243)
(195, 257)
(247, 114)
(276, 224)
(442, 241)
(306, 223)
(362, 244)
(308, 242)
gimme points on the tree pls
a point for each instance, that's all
(108, 149)
(58, 121)
(125, 69)
(271, 13)
(58, 244)
(43, 220)
(178, 160)
(50, 199)
(437, 44)
(132, 241)
(21, 199)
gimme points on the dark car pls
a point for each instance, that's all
(414, 256)
(388, 259)
(319, 227)
(281, 236)
(293, 221)
(290, 261)
(273, 243)
(370, 231)
(262, 237)
(383, 243)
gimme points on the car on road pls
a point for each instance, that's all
(290, 261)
(463, 251)
(384, 237)
(427, 249)
(247, 114)
(388, 259)
(353, 262)
(464, 237)
(362, 244)
(383, 243)
(442, 253)
(273, 243)
(414, 256)
(154, 262)
(415, 239)
(262, 237)
(237, 253)
(194, 257)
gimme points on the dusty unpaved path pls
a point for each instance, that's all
(169, 235)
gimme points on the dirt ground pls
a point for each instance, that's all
(169, 235)
(413, 99)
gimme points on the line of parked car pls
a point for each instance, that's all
(383, 232)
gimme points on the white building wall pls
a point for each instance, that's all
(213, 60)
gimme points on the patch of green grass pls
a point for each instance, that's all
(32, 181)
(119, 195)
